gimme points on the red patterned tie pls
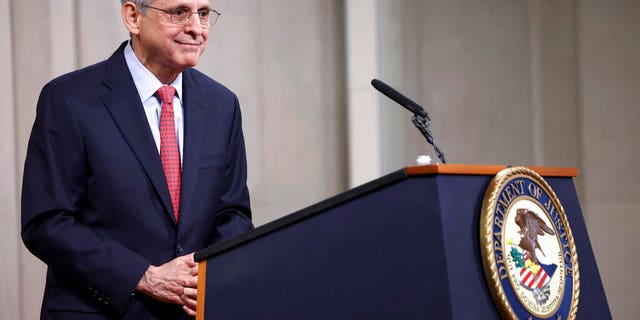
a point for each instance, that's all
(169, 150)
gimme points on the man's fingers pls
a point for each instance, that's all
(189, 311)
(191, 293)
(191, 282)
(189, 260)
(189, 300)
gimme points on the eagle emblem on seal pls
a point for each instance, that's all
(533, 274)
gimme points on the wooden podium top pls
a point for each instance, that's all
(469, 169)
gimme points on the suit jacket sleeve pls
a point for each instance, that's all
(54, 189)
(234, 214)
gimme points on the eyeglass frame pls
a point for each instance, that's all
(172, 15)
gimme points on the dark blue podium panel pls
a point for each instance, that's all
(397, 248)
(593, 301)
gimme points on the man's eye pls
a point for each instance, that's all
(180, 12)
(203, 13)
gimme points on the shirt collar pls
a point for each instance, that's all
(146, 83)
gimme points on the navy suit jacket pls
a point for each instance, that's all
(95, 203)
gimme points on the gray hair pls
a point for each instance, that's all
(137, 2)
(142, 4)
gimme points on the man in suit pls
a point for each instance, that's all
(133, 164)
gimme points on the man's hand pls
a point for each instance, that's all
(174, 282)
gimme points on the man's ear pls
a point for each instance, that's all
(131, 18)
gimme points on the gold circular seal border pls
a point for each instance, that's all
(486, 239)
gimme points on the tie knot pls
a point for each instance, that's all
(166, 94)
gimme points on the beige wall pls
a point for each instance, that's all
(516, 82)
(9, 244)
(285, 60)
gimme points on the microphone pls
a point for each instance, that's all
(398, 97)
(420, 118)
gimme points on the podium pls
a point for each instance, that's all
(404, 246)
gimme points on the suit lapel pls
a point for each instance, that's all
(126, 109)
(194, 118)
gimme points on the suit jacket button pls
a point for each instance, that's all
(179, 248)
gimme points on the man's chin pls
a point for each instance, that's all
(188, 62)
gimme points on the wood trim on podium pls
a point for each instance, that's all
(468, 169)
(202, 282)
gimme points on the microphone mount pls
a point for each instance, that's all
(422, 124)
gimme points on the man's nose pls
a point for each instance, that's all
(194, 24)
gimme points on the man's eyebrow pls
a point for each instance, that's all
(184, 6)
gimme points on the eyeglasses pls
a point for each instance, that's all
(182, 16)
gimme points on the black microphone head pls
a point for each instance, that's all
(380, 86)
(398, 97)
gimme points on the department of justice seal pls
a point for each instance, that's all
(528, 252)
